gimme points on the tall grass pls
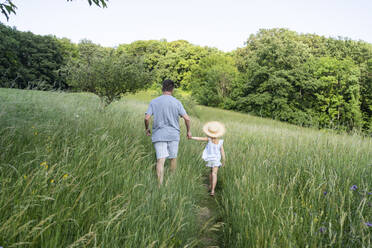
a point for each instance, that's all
(75, 175)
(285, 186)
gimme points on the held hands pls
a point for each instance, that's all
(148, 132)
(189, 136)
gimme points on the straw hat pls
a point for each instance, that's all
(214, 129)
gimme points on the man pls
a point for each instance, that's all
(165, 129)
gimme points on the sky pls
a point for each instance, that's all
(224, 24)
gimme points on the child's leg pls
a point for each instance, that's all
(210, 180)
(214, 179)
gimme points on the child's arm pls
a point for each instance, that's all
(223, 156)
(200, 138)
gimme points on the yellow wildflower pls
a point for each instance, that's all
(44, 164)
(24, 176)
(65, 176)
(52, 181)
(35, 133)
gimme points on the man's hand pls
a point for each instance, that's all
(147, 128)
(189, 136)
(148, 132)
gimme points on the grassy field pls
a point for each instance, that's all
(75, 174)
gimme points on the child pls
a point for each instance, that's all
(213, 151)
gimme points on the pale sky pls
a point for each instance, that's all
(224, 24)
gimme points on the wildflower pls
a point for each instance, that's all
(368, 224)
(65, 176)
(325, 193)
(315, 220)
(24, 176)
(354, 187)
(35, 133)
(33, 127)
(52, 181)
(322, 229)
(44, 164)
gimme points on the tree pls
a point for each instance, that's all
(30, 61)
(8, 7)
(212, 79)
(332, 93)
(106, 73)
(269, 65)
(366, 95)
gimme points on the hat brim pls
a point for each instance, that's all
(220, 129)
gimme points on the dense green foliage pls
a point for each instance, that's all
(105, 72)
(213, 79)
(303, 79)
(29, 61)
(169, 60)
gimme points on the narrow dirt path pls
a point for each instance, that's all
(208, 220)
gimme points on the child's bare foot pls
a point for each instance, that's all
(212, 193)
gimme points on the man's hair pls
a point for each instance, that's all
(168, 85)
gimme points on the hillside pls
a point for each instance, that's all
(76, 174)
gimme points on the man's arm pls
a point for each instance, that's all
(187, 123)
(147, 123)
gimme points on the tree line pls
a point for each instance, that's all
(304, 79)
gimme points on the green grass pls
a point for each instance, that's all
(99, 186)
(74, 174)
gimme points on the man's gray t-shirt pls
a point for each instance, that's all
(166, 111)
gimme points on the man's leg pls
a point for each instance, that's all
(160, 170)
(173, 164)
(173, 151)
(161, 154)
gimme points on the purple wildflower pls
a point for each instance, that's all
(354, 187)
(368, 224)
(325, 193)
(370, 193)
(322, 229)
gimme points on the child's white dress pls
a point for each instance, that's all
(212, 153)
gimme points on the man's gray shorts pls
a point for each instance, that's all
(166, 149)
